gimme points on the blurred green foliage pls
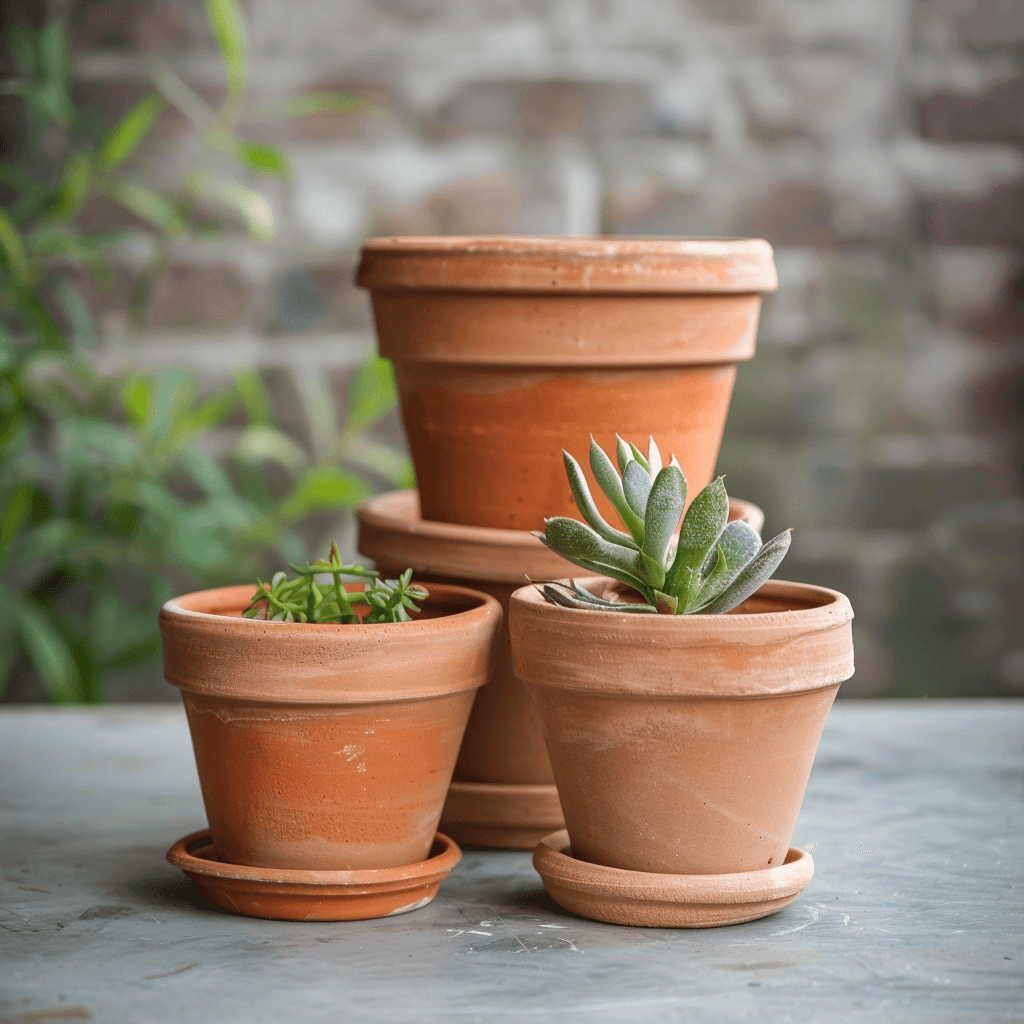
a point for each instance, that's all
(117, 491)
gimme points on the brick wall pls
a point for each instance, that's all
(878, 144)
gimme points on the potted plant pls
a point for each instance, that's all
(326, 719)
(501, 343)
(502, 793)
(681, 738)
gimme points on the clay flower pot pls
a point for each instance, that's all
(503, 792)
(501, 344)
(322, 746)
(682, 744)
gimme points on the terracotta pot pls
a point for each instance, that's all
(682, 744)
(504, 744)
(505, 348)
(326, 747)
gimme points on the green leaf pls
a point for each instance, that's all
(10, 243)
(126, 135)
(247, 203)
(609, 482)
(702, 526)
(227, 26)
(640, 457)
(636, 485)
(582, 599)
(324, 488)
(213, 411)
(713, 582)
(261, 444)
(391, 463)
(250, 389)
(206, 473)
(53, 67)
(372, 394)
(79, 315)
(44, 647)
(583, 546)
(16, 508)
(74, 187)
(665, 505)
(148, 205)
(623, 452)
(753, 575)
(654, 461)
(136, 400)
(263, 159)
(588, 509)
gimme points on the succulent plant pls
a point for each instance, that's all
(713, 566)
(304, 600)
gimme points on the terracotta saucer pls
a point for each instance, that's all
(502, 815)
(292, 895)
(667, 901)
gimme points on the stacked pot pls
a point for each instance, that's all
(324, 751)
(506, 350)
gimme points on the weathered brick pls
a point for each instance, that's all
(320, 297)
(995, 219)
(488, 205)
(199, 297)
(144, 26)
(994, 116)
(549, 109)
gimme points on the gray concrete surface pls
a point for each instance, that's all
(913, 814)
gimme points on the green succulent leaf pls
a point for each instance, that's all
(585, 503)
(640, 457)
(609, 482)
(665, 604)
(653, 458)
(702, 526)
(582, 546)
(636, 485)
(575, 596)
(623, 452)
(753, 575)
(664, 507)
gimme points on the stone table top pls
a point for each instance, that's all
(913, 814)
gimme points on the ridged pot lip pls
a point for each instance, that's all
(314, 663)
(603, 264)
(390, 526)
(739, 654)
(193, 606)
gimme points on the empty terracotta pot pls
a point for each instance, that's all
(504, 744)
(682, 744)
(507, 347)
(326, 747)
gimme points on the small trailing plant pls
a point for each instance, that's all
(304, 600)
(714, 565)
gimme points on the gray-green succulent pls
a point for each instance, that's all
(713, 566)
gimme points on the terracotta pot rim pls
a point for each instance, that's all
(174, 608)
(390, 527)
(834, 602)
(320, 665)
(609, 264)
(740, 654)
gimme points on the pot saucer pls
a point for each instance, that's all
(283, 894)
(501, 815)
(662, 900)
